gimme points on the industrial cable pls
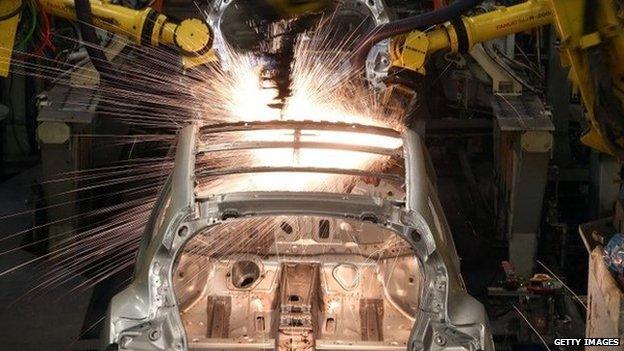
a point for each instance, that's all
(21, 45)
(526, 57)
(517, 63)
(497, 59)
(422, 21)
(87, 31)
(46, 36)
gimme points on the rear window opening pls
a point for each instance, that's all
(295, 156)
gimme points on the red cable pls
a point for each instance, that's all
(49, 37)
(46, 36)
(158, 5)
(438, 4)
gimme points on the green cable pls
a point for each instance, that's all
(33, 26)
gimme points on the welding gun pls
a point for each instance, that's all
(192, 36)
(591, 42)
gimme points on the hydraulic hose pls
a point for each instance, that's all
(87, 31)
(422, 21)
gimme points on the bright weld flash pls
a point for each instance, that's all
(314, 98)
(310, 157)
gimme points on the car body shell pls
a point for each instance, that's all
(145, 315)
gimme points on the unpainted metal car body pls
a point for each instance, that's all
(370, 268)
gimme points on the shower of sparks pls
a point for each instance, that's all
(321, 91)
(154, 101)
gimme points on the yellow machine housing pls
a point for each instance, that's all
(144, 27)
(11, 10)
(293, 8)
(568, 16)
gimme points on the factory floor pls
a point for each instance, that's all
(47, 320)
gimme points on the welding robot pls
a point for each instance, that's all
(146, 26)
(591, 40)
(191, 37)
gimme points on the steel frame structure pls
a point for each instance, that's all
(145, 315)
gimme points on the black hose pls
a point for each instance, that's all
(14, 13)
(422, 21)
(89, 36)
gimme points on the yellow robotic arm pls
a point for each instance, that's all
(10, 12)
(145, 27)
(412, 50)
(294, 8)
(577, 43)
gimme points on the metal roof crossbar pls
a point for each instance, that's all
(298, 125)
(245, 170)
(251, 145)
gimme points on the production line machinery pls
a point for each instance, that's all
(143, 27)
(591, 41)
(590, 44)
(191, 37)
(590, 34)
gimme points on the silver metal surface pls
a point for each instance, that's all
(403, 293)
(521, 113)
(254, 145)
(524, 136)
(357, 263)
(297, 125)
(69, 104)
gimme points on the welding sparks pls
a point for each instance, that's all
(321, 91)
(162, 100)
